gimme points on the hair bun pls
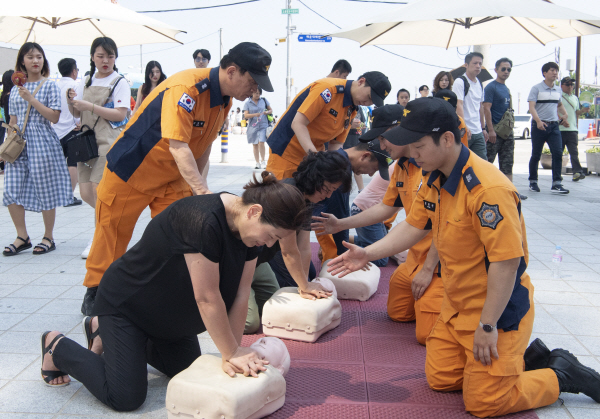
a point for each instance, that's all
(268, 178)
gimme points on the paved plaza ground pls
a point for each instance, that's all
(39, 293)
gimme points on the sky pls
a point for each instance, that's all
(262, 22)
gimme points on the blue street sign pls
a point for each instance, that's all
(314, 38)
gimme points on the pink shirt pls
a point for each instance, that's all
(374, 191)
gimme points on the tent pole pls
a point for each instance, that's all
(578, 66)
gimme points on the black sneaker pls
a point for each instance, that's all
(522, 197)
(559, 189)
(536, 356)
(534, 187)
(573, 376)
(74, 202)
(88, 301)
(578, 176)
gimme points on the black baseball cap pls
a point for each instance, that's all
(380, 86)
(383, 158)
(567, 80)
(422, 117)
(254, 59)
(448, 95)
(383, 118)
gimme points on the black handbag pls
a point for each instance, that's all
(83, 146)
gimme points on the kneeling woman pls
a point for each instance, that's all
(190, 272)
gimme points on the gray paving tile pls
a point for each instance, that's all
(553, 341)
(12, 365)
(551, 285)
(64, 306)
(207, 346)
(58, 279)
(553, 412)
(580, 413)
(6, 415)
(592, 343)
(31, 268)
(586, 287)
(42, 322)
(8, 320)
(20, 342)
(75, 292)
(35, 397)
(545, 323)
(14, 278)
(577, 320)
(561, 297)
(38, 291)
(8, 289)
(22, 305)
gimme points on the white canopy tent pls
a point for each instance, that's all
(79, 22)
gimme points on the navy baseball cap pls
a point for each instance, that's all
(383, 118)
(383, 158)
(448, 95)
(380, 86)
(422, 117)
(256, 60)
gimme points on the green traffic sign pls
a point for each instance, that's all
(289, 11)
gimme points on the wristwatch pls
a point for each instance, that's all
(488, 328)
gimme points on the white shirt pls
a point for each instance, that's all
(471, 104)
(66, 123)
(121, 96)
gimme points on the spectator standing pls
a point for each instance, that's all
(152, 78)
(443, 80)
(545, 103)
(256, 110)
(402, 97)
(201, 58)
(38, 180)
(101, 100)
(469, 92)
(424, 90)
(569, 134)
(497, 101)
(341, 70)
(67, 125)
(7, 86)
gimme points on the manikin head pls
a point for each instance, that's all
(273, 350)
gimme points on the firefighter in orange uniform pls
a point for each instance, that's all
(474, 212)
(160, 155)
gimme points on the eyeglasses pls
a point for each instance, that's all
(198, 59)
(506, 69)
(326, 190)
(388, 159)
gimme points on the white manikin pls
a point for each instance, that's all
(205, 391)
(287, 315)
(359, 285)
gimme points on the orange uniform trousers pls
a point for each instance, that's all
(402, 306)
(117, 210)
(495, 390)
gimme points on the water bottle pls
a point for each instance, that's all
(557, 258)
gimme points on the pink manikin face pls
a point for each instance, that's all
(273, 350)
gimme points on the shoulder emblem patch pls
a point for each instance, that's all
(202, 85)
(470, 179)
(326, 95)
(333, 112)
(339, 89)
(186, 102)
(489, 215)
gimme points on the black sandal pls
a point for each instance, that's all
(13, 251)
(87, 331)
(45, 248)
(48, 376)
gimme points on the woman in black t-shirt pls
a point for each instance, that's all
(191, 271)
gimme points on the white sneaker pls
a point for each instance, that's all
(400, 257)
(257, 166)
(86, 252)
(263, 164)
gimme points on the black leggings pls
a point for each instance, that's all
(119, 379)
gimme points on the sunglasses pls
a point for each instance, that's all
(198, 59)
(388, 159)
(506, 69)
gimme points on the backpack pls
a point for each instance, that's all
(468, 84)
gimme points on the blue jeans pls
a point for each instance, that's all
(552, 137)
(366, 236)
(477, 145)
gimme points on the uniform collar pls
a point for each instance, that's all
(403, 160)
(456, 175)
(347, 95)
(554, 87)
(216, 98)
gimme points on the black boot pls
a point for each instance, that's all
(88, 301)
(573, 377)
(536, 356)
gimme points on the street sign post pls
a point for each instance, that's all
(290, 11)
(313, 38)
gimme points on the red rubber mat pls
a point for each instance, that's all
(368, 367)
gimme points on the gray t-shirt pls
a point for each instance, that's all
(546, 100)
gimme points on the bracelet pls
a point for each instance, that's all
(93, 108)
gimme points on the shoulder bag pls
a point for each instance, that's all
(14, 144)
(504, 127)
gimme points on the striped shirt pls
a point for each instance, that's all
(546, 100)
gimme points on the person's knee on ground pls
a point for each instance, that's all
(127, 398)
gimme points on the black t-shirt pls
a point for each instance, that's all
(151, 285)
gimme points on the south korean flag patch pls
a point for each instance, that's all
(489, 215)
(186, 102)
(326, 95)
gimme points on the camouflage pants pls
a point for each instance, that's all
(505, 149)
